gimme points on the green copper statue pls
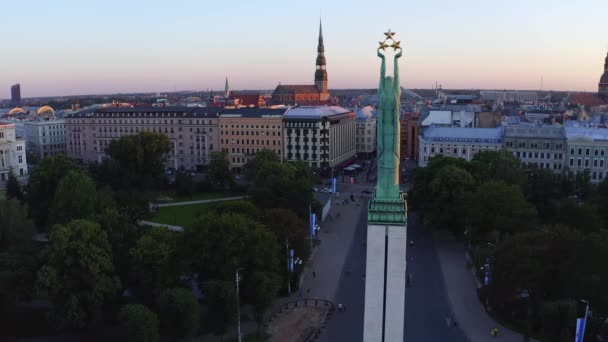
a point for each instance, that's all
(389, 94)
(388, 205)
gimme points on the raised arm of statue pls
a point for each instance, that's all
(382, 67)
(396, 70)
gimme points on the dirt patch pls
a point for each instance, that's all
(297, 324)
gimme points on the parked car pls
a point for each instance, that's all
(326, 190)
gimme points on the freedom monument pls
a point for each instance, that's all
(387, 216)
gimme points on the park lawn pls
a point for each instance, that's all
(196, 197)
(2, 195)
(182, 215)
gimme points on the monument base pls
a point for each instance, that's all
(385, 283)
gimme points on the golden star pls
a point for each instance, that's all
(383, 45)
(389, 34)
(395, 45)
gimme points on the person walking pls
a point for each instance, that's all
(314, 275)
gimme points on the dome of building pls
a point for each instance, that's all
(604, 78)
(16, 111)
(45, 110)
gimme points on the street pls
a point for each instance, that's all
(426, 304)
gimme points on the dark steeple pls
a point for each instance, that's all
(321, 73)
(603, 85)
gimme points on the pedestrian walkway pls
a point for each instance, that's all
(461, 287)
(173, 204)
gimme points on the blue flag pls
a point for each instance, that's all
(580, 329)
(291, 260)
(333, 185)
(313, 223)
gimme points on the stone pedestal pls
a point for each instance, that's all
(385, 271)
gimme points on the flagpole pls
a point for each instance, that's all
(310, 226)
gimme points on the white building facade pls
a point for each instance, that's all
(537, 145)
(366, 136)
(587, 150)
(12, 153)
(457, 142)
(45, 138)
(322, 136)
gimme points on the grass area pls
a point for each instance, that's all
(195, 197)
(2, 195)
(181, 215)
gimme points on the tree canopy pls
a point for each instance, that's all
(141, 323)
(75, 198)
(137, 161)
(78, 274)
(179, 313)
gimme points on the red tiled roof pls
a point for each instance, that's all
(586, 99)
(296, 89)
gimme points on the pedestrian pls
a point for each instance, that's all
(448, 320)
(411, 243)
(494, 332)
(340, 307)
(307, 291)
(314, 275)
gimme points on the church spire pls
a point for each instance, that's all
(321, 73)
(226, 88)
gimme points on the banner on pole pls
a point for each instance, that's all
(333, 185)
(313, 224)
(291, 260)
(580, 329)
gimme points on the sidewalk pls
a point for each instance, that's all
(461, 288)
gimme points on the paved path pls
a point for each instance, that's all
(462, 293)
(156, 224)
(173, 204)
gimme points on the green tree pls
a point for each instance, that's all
(179, 313)
(420, 196)
(18, 267)
(42, 184)
(449, 191)
(13, 188)
(137, 161)
(544, 190)
(75, 198)
(498, 209)
(283, 185)
(285, 224)
(584, 217)
(154, 261)
(78, 275)
(15, 227)
(183, 184)
(219, 170)
(217, 244)
(222, 303)
(499, 166)
(254, 164)
(558, 320)
(266, 287)
(123, 235)
(141, 323)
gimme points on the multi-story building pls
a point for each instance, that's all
(365, 133)
(509, 96)
(193, 132)
(16, 94)
(457, 142)
(12, 153)
(588, 150)
(45, 138)
(246, 131)
(323, 136)
(409, 135)
(537, 145)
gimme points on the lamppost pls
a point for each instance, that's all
(238, 310)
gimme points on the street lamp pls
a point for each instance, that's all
(238, 310)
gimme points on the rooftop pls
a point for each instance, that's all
(176, 111)
(586, 133)
(253, 113)
(464, 134)
(315, 112)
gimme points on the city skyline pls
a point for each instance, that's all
(70, 48)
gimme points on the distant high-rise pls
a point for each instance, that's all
(16, 93)
(603, 85)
